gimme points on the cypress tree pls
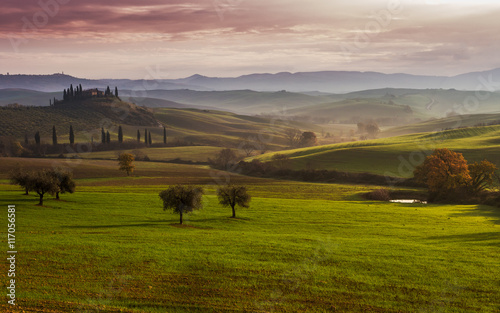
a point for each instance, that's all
(146, 137)
(120, 134)
(71, 135)
(108, 137)
(37, 138)
(65, 95)
(81, 91)
(71, 92)
(149, 134)
(103, 135)
(164, 135)
(116, 92)
(138, 136)
(55, 100)
(54, 135)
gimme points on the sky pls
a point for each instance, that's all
(158, 39)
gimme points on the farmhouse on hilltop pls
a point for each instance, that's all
(93, 93)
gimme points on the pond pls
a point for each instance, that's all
(408, 201)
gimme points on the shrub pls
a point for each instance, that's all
(379, 195)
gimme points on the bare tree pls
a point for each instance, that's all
(249, 146)
(224, 160)
(293, 136)
(281, 161)
(64, 181)
(231, 195)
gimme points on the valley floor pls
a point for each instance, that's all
(299, 248)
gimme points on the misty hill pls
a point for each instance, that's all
(326, 81)
(83, 115)
(384, 111)
(26, 97)
(219, 128)
(403, 105)
(241, 101)
(57, 82)
(342, 82)
(451, 122)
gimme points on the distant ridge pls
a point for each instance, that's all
(324, 81)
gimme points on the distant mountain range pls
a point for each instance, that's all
(327, 81)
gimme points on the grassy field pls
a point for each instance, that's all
(194, 153)
(397, 156)
(299, 248)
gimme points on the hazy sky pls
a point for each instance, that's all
(178, 38)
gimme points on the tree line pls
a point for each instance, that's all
(105, 136)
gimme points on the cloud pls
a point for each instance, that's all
(231, 37)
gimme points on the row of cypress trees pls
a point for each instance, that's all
(147, 136)
(105, 136)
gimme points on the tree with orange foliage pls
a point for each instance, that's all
(444, 172)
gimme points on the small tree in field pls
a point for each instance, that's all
(230, 196)
(182, 199)
(64, 181)
(42, 182)
(482, 175)
(20, 177)
(126, 162)
(308, 139)
(224, 160)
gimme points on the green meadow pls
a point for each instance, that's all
(300, 247)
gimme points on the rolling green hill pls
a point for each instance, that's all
(84, 115)
(200, 127)
(218, 128)
(397, 156)
(444, 123)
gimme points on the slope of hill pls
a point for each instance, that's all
(219, 128)
(356, 110)
(242, 101)
(27, 97)
(201, 127)
(452, 122)
(83, 115)
(398, 156)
